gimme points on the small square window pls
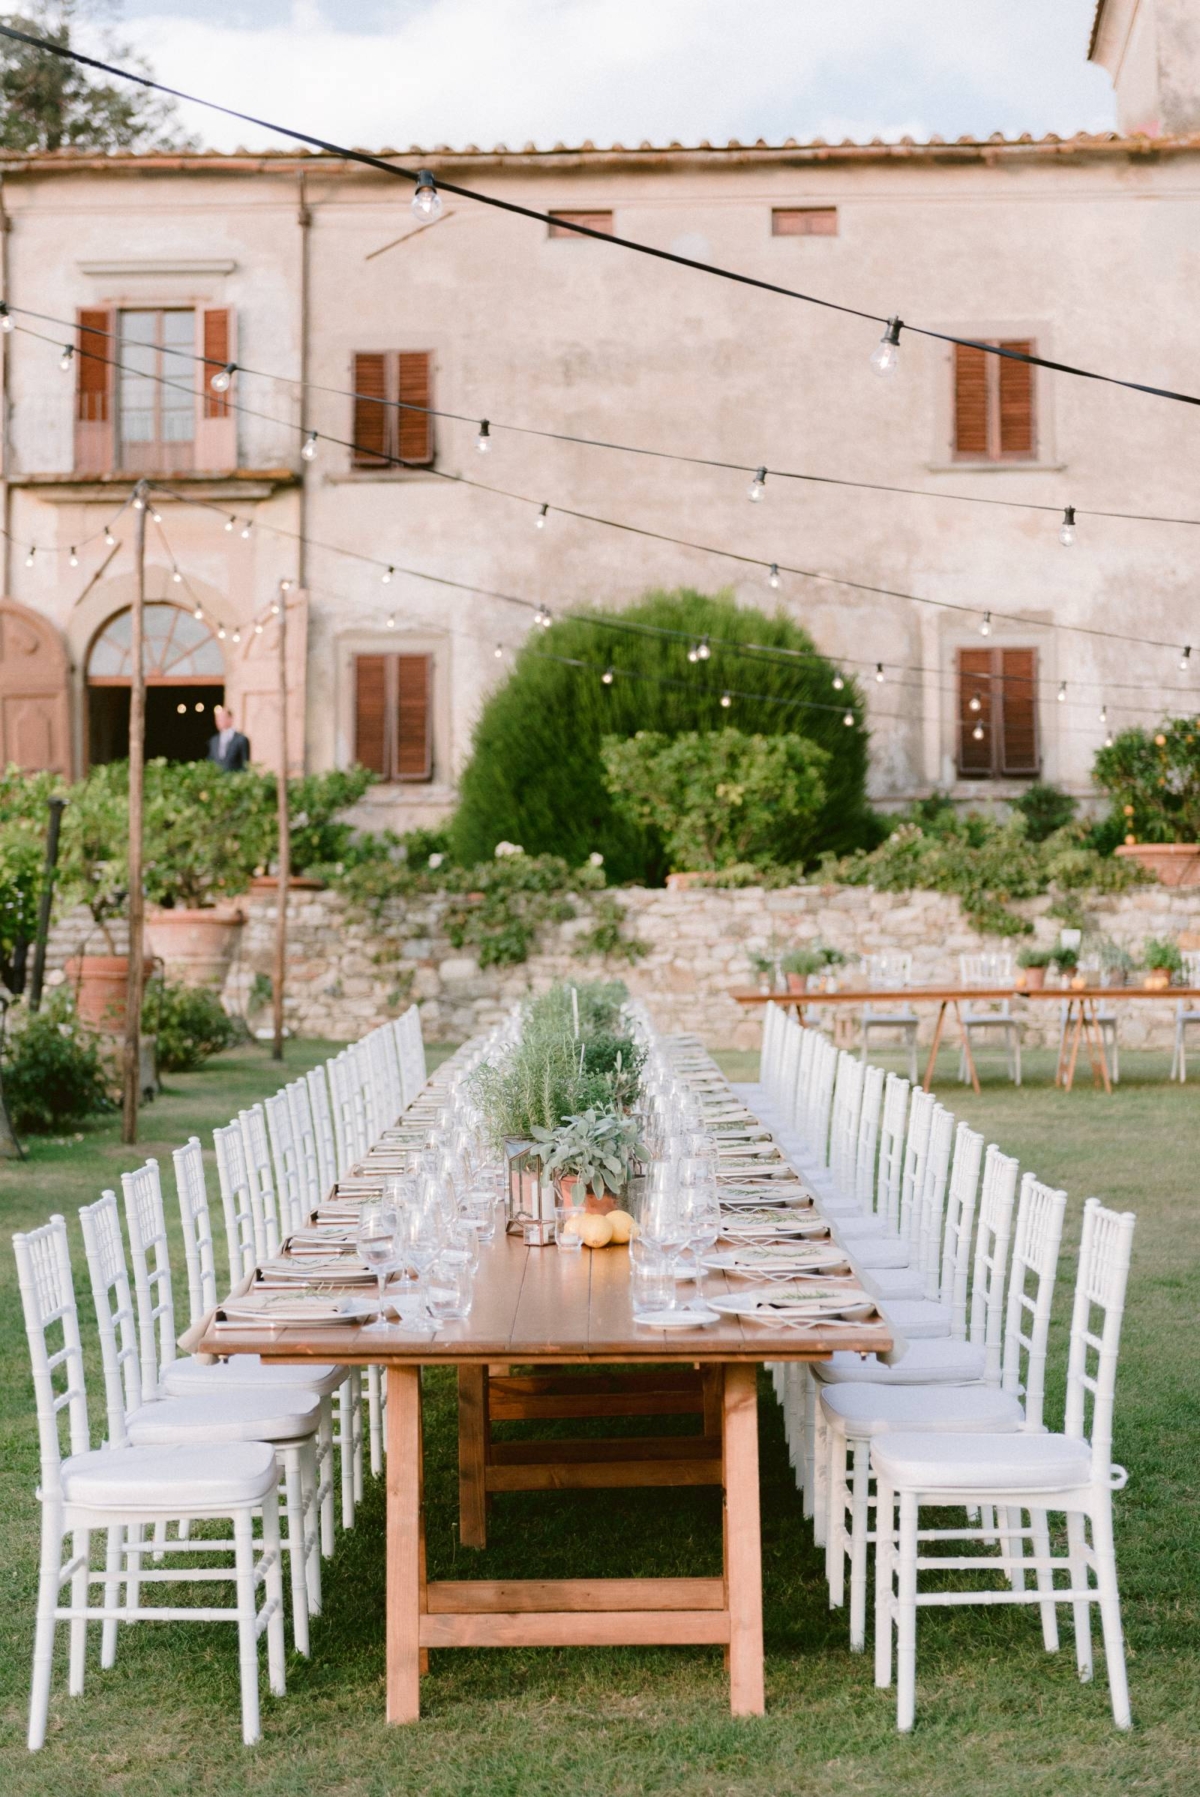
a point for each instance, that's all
(560, 223)
(804, 221)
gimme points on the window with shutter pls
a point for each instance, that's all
(804, 221)
(997, 713)
(94, 358)
(994, 403)
(560, 223)
(217, 351)
(392, 425)
(393, 720)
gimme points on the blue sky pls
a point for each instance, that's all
(399, 72)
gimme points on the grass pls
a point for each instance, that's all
(995, 1716)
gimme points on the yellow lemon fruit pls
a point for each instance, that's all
(596, 1231)
(622, 1225)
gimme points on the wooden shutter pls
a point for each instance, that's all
(370, 713)
(216, 349)
(595, 221)
(804, 221)
(95, 354)
(1018, 740)
(414, 760)
(1015, 385)
(371, 414)
(414, 430)
(975, 678)
(970, 401)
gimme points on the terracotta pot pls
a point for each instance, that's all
(1157, 980)
(99, 983)
(1172, 863)
(268, 883)
(194, 946)
(684, 882)
(568, 1189)
(1035, 978)
(797, 982)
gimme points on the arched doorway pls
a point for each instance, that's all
(35, 715)
(185, 679)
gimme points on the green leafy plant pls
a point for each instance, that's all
(93, 869)
(607, 935)
(535, 1086)
(504, 903)
(719, 797)
(23, 817)
(1065, 959)
(1045, 809)
(190, 1025)
(598, 1146)
(1153, 780)
(204, 831)
(536, 777)
(54, 1071)
(804, 961)
(764, 967)
(1035, 957)
(1160, 954)
(1113, 956)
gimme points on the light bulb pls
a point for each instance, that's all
(847, 718)
(1066, 535)
(975, 703)
(221, 379)
(879, 673)
(198, 612)
(1185, 660)
(726, 700)
(773, 577)
(838, 683)
(139, 504)
(7, 320)
(985, 629)
(426, 200)
(258, 630)
(758, 486)
(391, 623)
(1104, 714)
(309, 447)
(275, 608)
(546, 620)
(109, 539)
(1062, 691)
(237, 636)
(73, 559)
(176, 576)
(181, 709)
(702, 649)
(385, 579)
(229, 523)
(693, 653)
(1108, 741)
(221, 631)
(538, 615)
(285, 586)
(606, 679)
(156, 515)
(67, 358)
(977, 733)
(29, 558)
(246, 527)
(886, 353)
(498, 651)
(539, 522)
(483, 441)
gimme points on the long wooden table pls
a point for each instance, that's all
(542, 1308)
(1082, 1020)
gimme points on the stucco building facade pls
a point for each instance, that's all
(313, 277)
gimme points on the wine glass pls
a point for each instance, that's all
(376, 1243)
(664, 1222)
(418, 1244)
(701, 1207)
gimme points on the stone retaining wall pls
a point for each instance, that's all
(346, 974)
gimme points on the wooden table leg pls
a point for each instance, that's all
(1061, 1069)
(472, 1455)
(968, 1057)
(1069, 1077)
(743, 1545)
(931, 1063)
(404, 1543)
(1095, 1042)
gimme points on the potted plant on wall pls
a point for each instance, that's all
(93, 872)
(589, 1157)
(1163, 962)
(1033, 962)
(1153, 778)
(798, 966)
(203, 830)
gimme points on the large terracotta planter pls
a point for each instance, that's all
(1172, 863)
(194, 946)
(269, 883)
(99, 983)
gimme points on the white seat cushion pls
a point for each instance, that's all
(248, 1372)
(877, 1409)
(917, 1319)
(860, 1227)
(185, 1480)
(894, 1282)
(983, 1463)
(887, 1252)
(237, 1415)
(924, 1363)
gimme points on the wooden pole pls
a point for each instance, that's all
(131, 1068)
(285, 837)
(46, 902)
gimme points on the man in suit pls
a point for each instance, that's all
(228, 748)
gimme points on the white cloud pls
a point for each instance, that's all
(488, 71)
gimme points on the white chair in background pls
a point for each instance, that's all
(286, 1420)
(888, 973)
(122, 1492)
(289, 1186)
(1186, 1015)
(317, 1082)
(983, 971)
(304, 1134)
(1031, 1471)
(245, 1227)
(263, 1196)
(941, 1309)
(342, 1106)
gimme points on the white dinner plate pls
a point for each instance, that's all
(769, 1307)
(761, 1257)
(271, 1309)
(678, 1319)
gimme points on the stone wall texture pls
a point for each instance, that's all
(346, 973)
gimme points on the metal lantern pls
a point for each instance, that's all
(530, 1205)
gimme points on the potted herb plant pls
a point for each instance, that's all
(1116, 963)
(1033, 963)
(765, 970)
(798, 966)
(93, 872)
(1066, 959)
(589, 1157)
(1162, 960)
(203, 832)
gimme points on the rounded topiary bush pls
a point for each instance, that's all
(536, 776)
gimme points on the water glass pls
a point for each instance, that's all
(566, 1231)
(451, 1286)
(377, 1246)
(651, 1281)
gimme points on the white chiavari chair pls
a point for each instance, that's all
(328, 1167)
(288, 1184)
(304, 1134)
(994, 1017)
(262, 1177)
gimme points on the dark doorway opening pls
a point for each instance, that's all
(179, 722)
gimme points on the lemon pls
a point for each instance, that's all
(597, 1232)
(622, 1225)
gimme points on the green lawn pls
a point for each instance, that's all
(995, 1715)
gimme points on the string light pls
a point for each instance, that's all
(221, 631)
(758, 485)
(847, 718)
(275, 608)
(985, 629)
(498, 651)
(1185, 660)
(1061, 694)
(977, 733)
(109, 539)
(546, 620)
(1104, 714)
(246, 529)
(975, 703)
(198, 612)
(703, 651)
(1066, 535)
(139, 502)
(230, 522)
(258, 630)
(181, 709)
(385, 579)
(156, 515)
(879, 673)
(7, 321)
(607, 678)
(539, 522)
(29, 557)
(221, 379)
(773, 577)
(67, 359)
(838, 683)
(426, 200)
(538, 615)
(73, 559)
(391, 622)
(886, 353)
(726, 700)
(309, 447)
(693, 653)
(237, 636)
(176, 576)
(483, 441)
(1108, 741)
